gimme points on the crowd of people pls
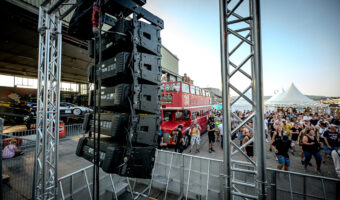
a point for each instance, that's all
(315, 135)
(288, 132)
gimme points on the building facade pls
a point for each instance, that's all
(216, 95)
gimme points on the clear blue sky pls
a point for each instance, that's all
(301, 42)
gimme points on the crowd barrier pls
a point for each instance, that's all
(200, 178)
(192, 177)
(183, 175)
(78, 185)
(18, 171)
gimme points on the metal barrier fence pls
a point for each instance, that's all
(199, 178)
(78, 185)
(70, 130)
(73, 130)
(18, 171)
(193, 177)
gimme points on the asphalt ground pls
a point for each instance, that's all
(327, 169)
(20, 169)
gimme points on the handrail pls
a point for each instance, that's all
(306, 175)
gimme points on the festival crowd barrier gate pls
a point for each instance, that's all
(192, 177)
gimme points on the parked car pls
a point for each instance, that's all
(71, 109)
(67, 109)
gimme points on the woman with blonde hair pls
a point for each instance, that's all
(11, 150)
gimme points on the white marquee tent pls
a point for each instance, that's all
(292, 98)
(276, 96)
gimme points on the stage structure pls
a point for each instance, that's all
(241, 32)
(51, 14)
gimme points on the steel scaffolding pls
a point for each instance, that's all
(48, 97)
(240, 21)
(246, 28)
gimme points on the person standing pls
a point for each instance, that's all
(211, 135)
(310, 147)
(281, 147)
(249, 149)
(218, 120)
(331, 140)
(295, 131)
(336, 161)
(179, 139)
(266, 128)
(195, 132)
(160, 138)
(220, 131)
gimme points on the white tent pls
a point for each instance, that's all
(292, 97)
(276, 96)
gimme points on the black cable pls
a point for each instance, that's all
(99, 92)
(94, 118)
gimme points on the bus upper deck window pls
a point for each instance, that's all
(192, 89)
(185, 88)
(197, 91)
(172, 87)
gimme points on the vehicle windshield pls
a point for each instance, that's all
(67, 104)
(173, 116)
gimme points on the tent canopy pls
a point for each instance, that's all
(292, 97)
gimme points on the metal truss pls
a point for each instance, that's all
(241, 47)
(48, 97)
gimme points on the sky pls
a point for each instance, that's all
(300, 43)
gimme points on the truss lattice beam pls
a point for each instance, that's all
(245, 30)
(48, 98)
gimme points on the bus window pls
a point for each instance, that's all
(166, 116)
(162, 88)
(197, 91)
(172, 87)
(203, 92)
(179, 115)
(193, 115)
(192, 89)
(185, 88)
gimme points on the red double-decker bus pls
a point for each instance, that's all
(182, 103)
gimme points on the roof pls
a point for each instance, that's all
(292, 97)
(19, 47)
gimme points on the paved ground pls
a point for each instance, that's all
(20, 169)
(327, 169)
(9, 129)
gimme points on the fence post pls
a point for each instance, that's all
(182, 178)
(273, 184)
(1, 130)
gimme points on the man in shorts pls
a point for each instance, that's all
(211, 135)
(195, 132)
(281, 148)
(331, 138)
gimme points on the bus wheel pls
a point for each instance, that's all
(186, 140)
